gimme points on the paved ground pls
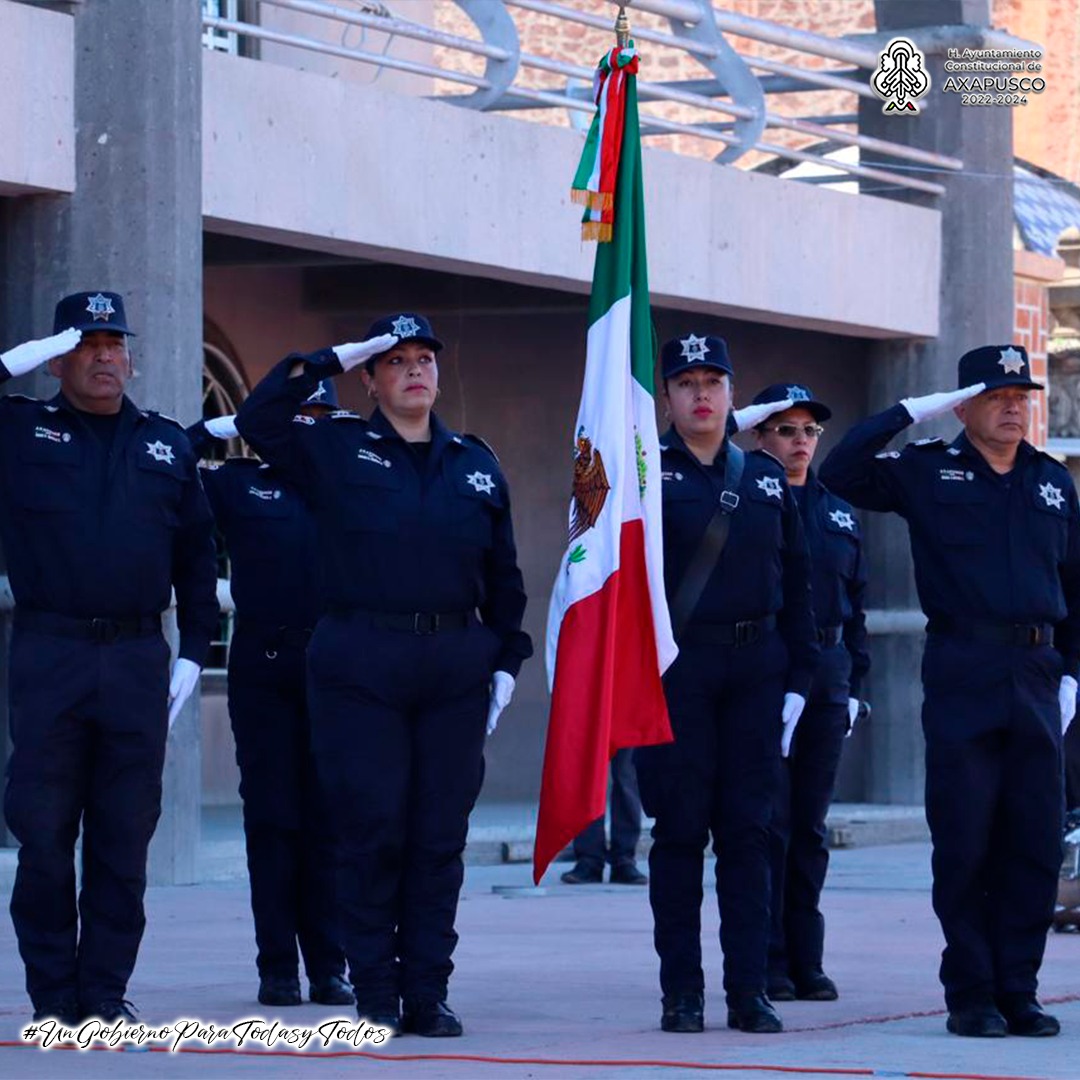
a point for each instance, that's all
(563, 984)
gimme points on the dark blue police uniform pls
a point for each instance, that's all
(98, 527)
(749, 639)
(274, 561)
(997, 567)
(416, 540)
(798, 836)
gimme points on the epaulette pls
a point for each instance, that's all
(932, 442)
(1050, 457)
(345, 414)
(477, 441)
(23, 399)
(154, 414)
(210, 466)
(766, 454)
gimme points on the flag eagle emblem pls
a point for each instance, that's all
(591, 487)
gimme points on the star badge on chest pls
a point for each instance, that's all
(771, 486)
(1051, 495)
(160, 451)
(842, 519)
(481, 482)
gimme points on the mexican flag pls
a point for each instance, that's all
(609, 634)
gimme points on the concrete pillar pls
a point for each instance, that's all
(976, 306)
(134, 224)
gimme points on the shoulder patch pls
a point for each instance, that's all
(477, 441)
(153, 414)
(926, 444)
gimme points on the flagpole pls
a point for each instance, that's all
(622, 28)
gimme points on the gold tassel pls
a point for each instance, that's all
(598, 231)
(594, 200)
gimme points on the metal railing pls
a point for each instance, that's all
(734, 92)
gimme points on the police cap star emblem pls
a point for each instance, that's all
(405, 326)
(100, 307)
(693, 348)
(1012, 361)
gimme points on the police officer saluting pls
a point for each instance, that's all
(800, 855)
(995, 538)
(415, 533)
(101, 515)
(292, 866)
(737, 576)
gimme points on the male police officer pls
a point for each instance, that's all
(101, 515)
(737, 574)
(270, 535)
(995, 538)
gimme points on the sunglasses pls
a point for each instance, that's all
(789, 431)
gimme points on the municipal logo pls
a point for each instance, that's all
(902, 77)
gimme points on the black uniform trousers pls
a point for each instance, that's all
(995, 806)
(624, 803)
(291, 853)
(398, 724)
(799, 850)
(719, 776)
(89, 721)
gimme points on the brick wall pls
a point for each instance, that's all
(1031, 325)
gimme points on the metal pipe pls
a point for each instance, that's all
(685, 11)
(312, 45)
(658, 125)
(817, 78)
(800, 40)
(401, 27)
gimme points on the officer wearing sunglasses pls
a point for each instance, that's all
(799, 853)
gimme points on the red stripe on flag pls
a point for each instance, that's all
(607, 696)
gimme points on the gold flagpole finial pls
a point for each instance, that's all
(622, 28)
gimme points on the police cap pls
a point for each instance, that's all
(799, 394)
(407, 326)
(692, 351)
(996, 365)
(88, 311)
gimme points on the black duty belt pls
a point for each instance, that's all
(276, 637)
(829, 636)
(419, 622)
(103, 631)
(995, 633)
(737, 634)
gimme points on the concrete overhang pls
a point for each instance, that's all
(305, 160)
(37, 104)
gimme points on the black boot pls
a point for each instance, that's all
(432, 1019)
(752, 1012)
(1024, 1016)
(683, 1012)
(279, 990)
(331, 990)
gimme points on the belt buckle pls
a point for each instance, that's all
(746, 633)
(105, 631)
(432, 623)
(1033, 635)
(729, 500)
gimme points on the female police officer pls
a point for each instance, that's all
(800, 855)
(737, 576)
(414, 527)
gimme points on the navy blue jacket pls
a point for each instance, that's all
(765, 566)
(94, 538)
(1004, 548)
(394, 535)
(838, 577)
(270, 536)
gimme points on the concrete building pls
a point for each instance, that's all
(262, 177)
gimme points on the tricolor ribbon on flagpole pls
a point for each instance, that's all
(594, 181)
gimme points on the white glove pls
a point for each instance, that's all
(502, 690)
(185, 677)
(792, 710)
(752, 415)
(24, 358)
(852, 715)
(354, 353)
(1067, 701)
(923, 408)
(222, 427)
